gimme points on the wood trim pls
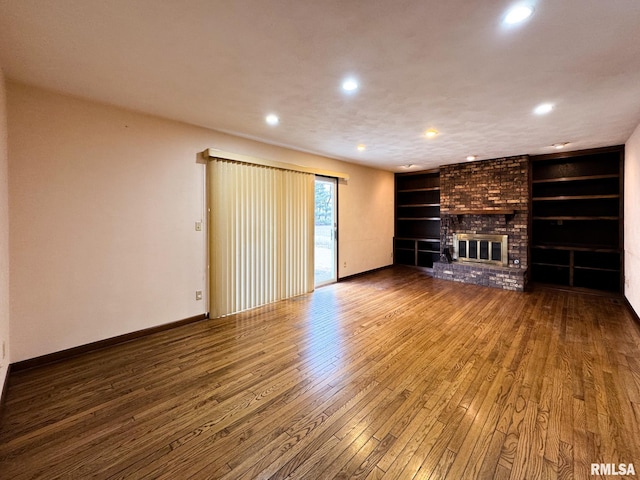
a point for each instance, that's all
(558, 198)
(418, 172)
(212, 153)
(529, 274)
(577, 153)
(425, 189)
(584, 218)
(577, 179)
(417, 205)
(5, 388)
(356, 275)
(577, 248)
(621, 216)
(107, 342)
(418, 239)
(632, 312)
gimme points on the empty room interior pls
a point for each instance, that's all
(291, 239)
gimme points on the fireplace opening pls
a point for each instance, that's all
(480, 248)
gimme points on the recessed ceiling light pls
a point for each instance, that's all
(350, 85)
(431, 133)
(558, 146)
(410, 165)
(272, 119)
(471, 158)
(518, 14)
(362, 147)
(543, 108)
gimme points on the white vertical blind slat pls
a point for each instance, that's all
(261, 235)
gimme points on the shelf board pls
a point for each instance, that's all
(419, 218)
(597, 269)
(577, 218)
(419, 205)
(577, 248)
(428, 251)
(405, 249)
(575, 197)
(497, 211)
(542, 264)
(426, 189)
(418, 239)
(576, 179)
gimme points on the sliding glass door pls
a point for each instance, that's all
(326, 229)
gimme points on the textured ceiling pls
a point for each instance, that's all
(421, 64)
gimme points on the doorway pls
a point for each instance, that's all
(326, 231)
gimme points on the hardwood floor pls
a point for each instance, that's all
(389, 375)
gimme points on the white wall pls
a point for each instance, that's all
(103, 205)
(4, 238)
(632, 220)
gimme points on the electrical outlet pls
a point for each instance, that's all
(198, 226)
(198, 294)
(345, 265)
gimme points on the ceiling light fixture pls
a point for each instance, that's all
(518, 14)
(362, 147)
(431, 133)
(350, 85)
(471, 158)
(558, 146)
(409, 165)
(272, 119)
(543, 108)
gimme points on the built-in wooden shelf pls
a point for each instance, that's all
(417, 232)
(576, 211)
(577, 248)
(419, 205)
(577, 267)
(575, 197)
(427, 189)
(576, 179)
(543, 264)
(597, 269)
(587, 218)
(418, 239)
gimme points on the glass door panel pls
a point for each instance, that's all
(326, 229)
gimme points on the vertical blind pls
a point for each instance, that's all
(261, 235)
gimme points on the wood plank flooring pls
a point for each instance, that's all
(392, 375)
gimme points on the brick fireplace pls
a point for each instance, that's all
(486, 198)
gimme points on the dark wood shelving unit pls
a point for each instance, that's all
(417, 214)
(577, 219)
